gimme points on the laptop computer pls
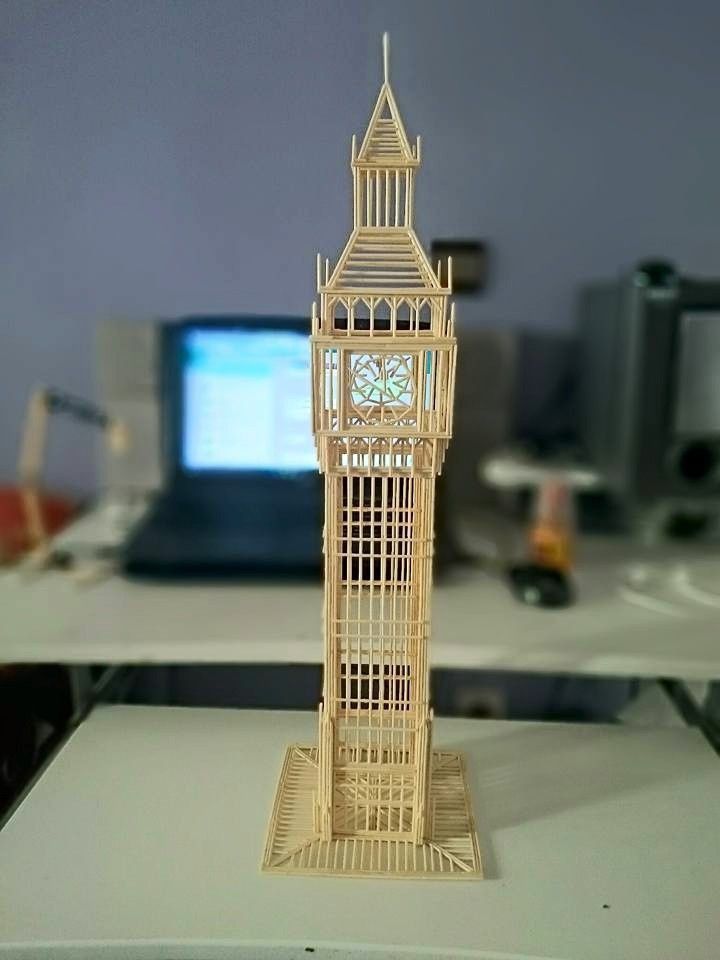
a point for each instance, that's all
(242, 493)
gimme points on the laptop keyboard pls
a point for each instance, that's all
(183, 533)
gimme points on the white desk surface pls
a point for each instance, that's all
(143, 840)
(668, 627)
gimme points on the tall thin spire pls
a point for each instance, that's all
(386, 142)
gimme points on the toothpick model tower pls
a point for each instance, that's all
(374, 798)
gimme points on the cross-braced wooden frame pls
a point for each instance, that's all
(373, 798)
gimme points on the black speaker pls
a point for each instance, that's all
(649, 367)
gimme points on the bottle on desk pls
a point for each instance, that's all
(544, 581)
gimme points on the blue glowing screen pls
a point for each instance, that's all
(246, 400)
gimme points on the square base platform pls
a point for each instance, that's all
(293, 847)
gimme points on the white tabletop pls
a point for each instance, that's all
(666, 624)
(143, 840)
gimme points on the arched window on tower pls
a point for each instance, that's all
(360, 316)
(404, 319)
(339, 314)
(382, 316)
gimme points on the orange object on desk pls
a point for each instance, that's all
(15, 537)
(552, 532)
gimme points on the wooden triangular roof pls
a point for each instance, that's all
(388, 260)
(386, 142)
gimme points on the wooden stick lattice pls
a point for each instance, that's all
(373, 798)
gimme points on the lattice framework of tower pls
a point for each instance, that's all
(373, 798)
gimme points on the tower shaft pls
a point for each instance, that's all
(383, 377)
(373, 798)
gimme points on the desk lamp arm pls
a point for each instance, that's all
(43, 402)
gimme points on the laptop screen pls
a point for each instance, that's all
(246, 400)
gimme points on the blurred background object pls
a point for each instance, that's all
(15, 534)
(649, 381)
(126, 366)
(543, 577)
(469, 263)
(43, 404)
(35, 710)
(240, 492)
(29, 515)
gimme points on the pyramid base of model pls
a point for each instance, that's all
(293, 846)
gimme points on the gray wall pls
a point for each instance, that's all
(174, 157)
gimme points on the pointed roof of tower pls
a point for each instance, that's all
(380, 258)
(391, 260)
(386, 141)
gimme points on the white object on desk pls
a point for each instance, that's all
(143, 840)
(106, 525)
(127, 378)
(512, 469)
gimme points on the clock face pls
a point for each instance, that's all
(382, 386)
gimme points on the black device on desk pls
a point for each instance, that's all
(242, 491)
(650, 385)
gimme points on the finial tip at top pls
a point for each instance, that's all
(386, 55)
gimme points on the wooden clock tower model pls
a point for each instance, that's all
(373, 798)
